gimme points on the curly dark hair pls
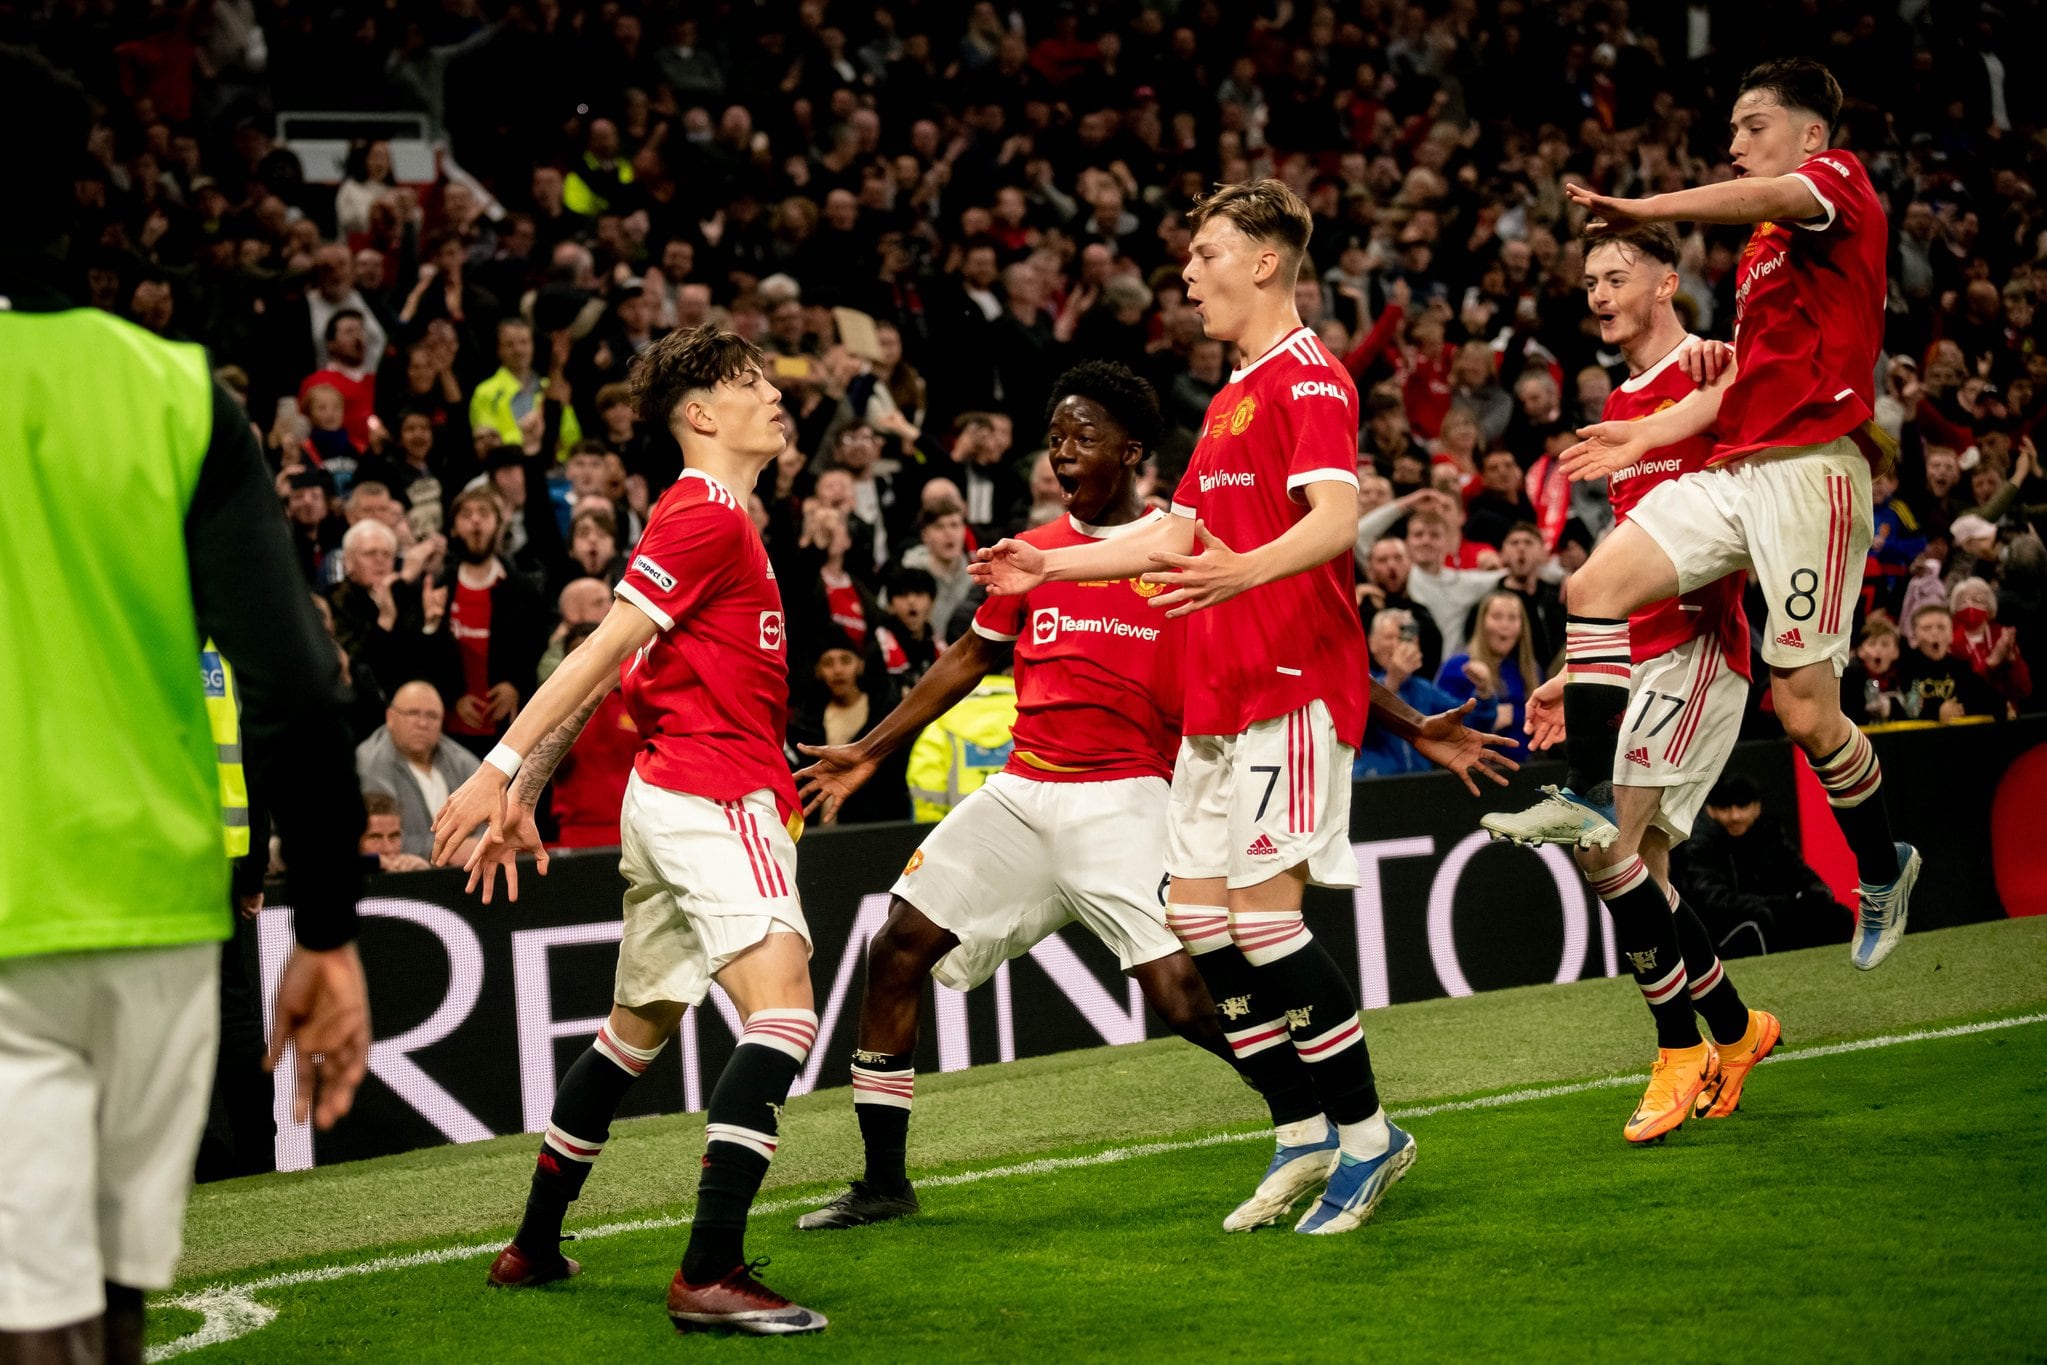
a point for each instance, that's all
(1798, 83)
(1121, 392)
(683, 363)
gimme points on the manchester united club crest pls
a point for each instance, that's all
(1144, 589)
(916, 861)
(1241, 417)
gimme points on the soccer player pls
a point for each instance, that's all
(1275, 696)
(1788, 490)
(708, 830)
(1689, 680)
(1073, 828)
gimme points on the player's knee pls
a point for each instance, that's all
(1267, 935)
(906, 947)
(1178, 996)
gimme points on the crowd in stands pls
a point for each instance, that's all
(924, 212)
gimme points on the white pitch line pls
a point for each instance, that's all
(231, 1311)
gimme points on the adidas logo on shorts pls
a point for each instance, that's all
(1791, 639)
(1640, 756)
(1262, 847)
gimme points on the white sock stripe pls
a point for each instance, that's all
(1249, 1042)
(1614, 882)
(632, 1059)
(1326, 1045)
(1664, 990)
(750, 1138)
(570, 1146)
(891, 1089)
(1851, 779)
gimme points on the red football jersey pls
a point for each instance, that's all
(1715, 609)
(711, 692)
(1286, 420)
(1097, 670)
(1808, 317)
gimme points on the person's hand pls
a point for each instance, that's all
(840, 770)
(1008, 568)
(471, 710)
(2028, 462)
(433, 604)
(559, 344)
(1404, 664)
(504, 701)
(477, 801)
(1368, 591)
(1705, 362)
(2000, 652)
(1399, 294)
(1479, 675)
(1208, 579)
(1883, 533)
(403, 862)
(1544, 723)
(387, 603)
(1952, 710)
(511, 833)
(1603, 449)
(1446, 741)
(1477, 316)
(1488, 558)
(1607, 214)
(250, 906)
(153, 229)
(323, 1011)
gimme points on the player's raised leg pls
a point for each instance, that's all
(577, 1129)
(899, 962)
(1628, 570)
(715, 1286)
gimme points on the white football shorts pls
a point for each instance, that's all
(705, 881)
(1249, 807)
(106, 1066)
(1799, 516)
(1019, 858)
(1684, 715)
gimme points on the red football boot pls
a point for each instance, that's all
(516, 1269)
(738, 1303)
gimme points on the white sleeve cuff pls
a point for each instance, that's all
(1181, 509)
(640, 600)
(1820, 224)
(1308, 476)
(997, 636)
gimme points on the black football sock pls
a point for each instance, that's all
(883, 1086)
(1712, 989)
(1854, 786)
(1297, 974)
(577, 1130)
(1596, 675)
(741, 1129)
(1254, 1027)
(1644, 930)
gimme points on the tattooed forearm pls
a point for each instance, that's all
(539, 765)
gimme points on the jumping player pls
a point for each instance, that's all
(1689, 681)
(1073, 828)
(707, 833)
(1788, 489)
(1275, 697)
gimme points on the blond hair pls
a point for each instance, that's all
(1264, 210)
(1531, 676)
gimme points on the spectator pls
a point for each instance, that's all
(495, 620)
(1988, 648)
(1501, 502)
(588, 786)
(348, 374)
(1937, 684)
(1395, 643)
(411, 761)
(316, 529)
(1871, 691)
(383, 843)
(1475, 387)
(1524, 560)
(1498, 666)
(509, 402)
(365, 178)
(1447, 595)
(840, 710)
(991, 494)
(1388, 574)
(593, 543)
(941, 551)
(904, 645)
(581, 602)
(1748, 884)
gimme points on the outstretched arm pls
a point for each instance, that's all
(842, 769)
(1444, 739)
(1010, 567)
(1219, 573)
(1604, 448)
(580, 682)
(1751, 199)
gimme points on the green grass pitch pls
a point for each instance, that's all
(1879, 1202)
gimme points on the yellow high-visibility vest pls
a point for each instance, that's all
(962, 749)
(224, 715)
